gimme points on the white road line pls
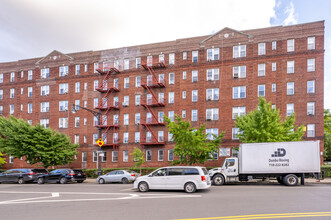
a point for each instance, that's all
(27, 199)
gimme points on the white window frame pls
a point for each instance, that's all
(212, 114)
(309, 90)
(239, 51)
(212, 94)
(213, 74)
(184, 55)
(239, 71)
(171, 78)
(184, 94)
(273, 87)
(194, 113)
(310, 108)
(290, 45)
(195, 56)
(171, 98)
(311, 130)
(261, 69)
(160, 157)
(289, 109)
(238, 111)
(290, 67)
(241, 90)
(273, 66)
(126, 83)
(261, 49)
(311, 43)
(311, 65)
(274, 45)
(213, 54)
(194, 95)
(148, 155)
(290, 88)
(171, 58)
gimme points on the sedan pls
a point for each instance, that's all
(21, 176)
(120, 176)
(63, 176)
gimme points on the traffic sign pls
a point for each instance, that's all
(100, 142)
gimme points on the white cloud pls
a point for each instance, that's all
(292, 17)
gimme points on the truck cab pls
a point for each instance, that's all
(228, 172)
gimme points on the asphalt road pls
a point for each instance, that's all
(119, 201)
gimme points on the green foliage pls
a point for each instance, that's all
(138, 158)
(2, 160)
(327, 134)
(191, 144)
(36, 143)
(327, 170)
(264, 125)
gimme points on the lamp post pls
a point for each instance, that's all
(98, 115)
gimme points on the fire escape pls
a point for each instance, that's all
(152, 102)
(106, 105)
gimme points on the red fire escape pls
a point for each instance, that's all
(151, 101)
(106, 106)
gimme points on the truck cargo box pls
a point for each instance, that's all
(279, 157)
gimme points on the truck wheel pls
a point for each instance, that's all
(218, 180)
(291, 180)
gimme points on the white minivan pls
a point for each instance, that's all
(188, 178)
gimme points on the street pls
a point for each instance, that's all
(120, 201)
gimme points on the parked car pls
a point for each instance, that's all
(123, 176)
(188, 178)
(63, 176)
(21, 175)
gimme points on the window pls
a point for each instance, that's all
(290, 88)
(274, 45)
(44, 90)
(194, 56)
(21, 107)
(149, 60)
(310, 130)
(1, 109)
(290, 66)
(212, 74)
(138, 62)
(85, 121)
(311, 43)
(137, 118)
(194, 76)
(126, 101)
(161, 58)
(273, 106)
(126, 119)
(114, 157)
(115, 138)
(212, 114)
(238, 111)
(30, 122)
(235, 132)
(1, 77)
(290, 45)
(161, 97)
(184, 55)
(171, 116)
(126, 64)
(125, 137)
(261, 49)
(273, 87)
(126, 83)
(77, 87)
(211, 132)
(76, 139)
(239, 92)
(84, 156)
(273, 68)
(22, 89)
(184, 75)
(183, 113)
(1, 94)
(77, 103)
(194, 115)
(85, 86)
(213, 54)
(44, 73)
(12, 93)
(63, 106)
(289, 109)
(77, 122)
(310, 65)
(170, 137)
(44, 107)
(239, 51)
(95, 67)
(22, 74)
(170, 155)
(184, 94)
(95, 138)
(171, 59)
(44, 123)
(63, 88)
(161, 78)
(171, 97)
(261, 90)
(194, 95)
(148, 155)
(95, 102)
(310, 108)
(160, 155)
(239, 72)
(85, 68)
(63, 122)
(95, 85)
(77, 70)
(212, 94)
(138, 81)
(125, 156)
(12, 77)
(63, 71)
(137, 100)
(311, 86)
(137, 137)
(171, 78)
(160, 117)
(160, 136)
(85, 104)
(261, 70)
(115, 101)
(11, 109)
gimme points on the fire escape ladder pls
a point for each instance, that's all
(152, 133)
(154, 97)
(153, 115)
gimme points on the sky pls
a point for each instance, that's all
(34, 28)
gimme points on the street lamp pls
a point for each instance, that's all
(98, 115)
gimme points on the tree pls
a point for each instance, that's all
(264, 125)
(138, 158)
(36, 143)
(2, 160)
(191, 144)
(327, 134)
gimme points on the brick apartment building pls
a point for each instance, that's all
(207, 79)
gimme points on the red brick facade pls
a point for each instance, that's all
(225, 40)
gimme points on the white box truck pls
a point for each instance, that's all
(284, 161)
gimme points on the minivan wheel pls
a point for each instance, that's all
(125, 181)
(20, 181)
(218, 180)
(143, 187)
(291, 180)
(190, 187)
(101, 181)
(41, 181)
(63, 180)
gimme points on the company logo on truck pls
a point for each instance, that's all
(280, 152)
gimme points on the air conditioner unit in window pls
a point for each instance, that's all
(125, 104)
(235, 75)
(65, 74)
(208, 119)
(137, 104)
(209, 98)
(310, 113)
(136, 141)
(137, 122)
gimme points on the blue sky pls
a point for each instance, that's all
(34, 28)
